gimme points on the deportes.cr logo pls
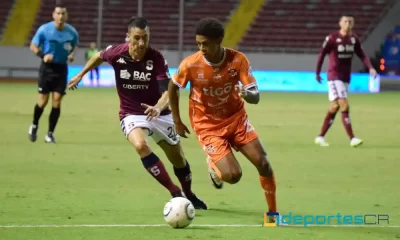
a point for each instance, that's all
(313, 220)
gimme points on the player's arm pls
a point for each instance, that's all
(326, 47)
(173, 95)
(93, 62)
(37, 41)
(179, 80)
(249, 90)
(364, 58)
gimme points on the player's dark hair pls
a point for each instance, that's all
(210, 28)
(138, 22)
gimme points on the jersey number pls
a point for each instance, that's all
(171, 133)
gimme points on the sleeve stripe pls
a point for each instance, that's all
(176, 83)
(250, 85)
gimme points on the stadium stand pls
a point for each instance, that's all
(281, 25)
(301, 25)
(164, 18)
(5, 7)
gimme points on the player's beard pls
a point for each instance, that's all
(137, 53)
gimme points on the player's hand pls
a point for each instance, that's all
(73, 83)
(151, 111)
(48, 58)
(240, 90)
(318, 78)
(373, 72)
(71, 58)
(181, 129)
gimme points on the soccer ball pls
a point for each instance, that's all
(179, 212)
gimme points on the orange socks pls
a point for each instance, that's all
(269, 186)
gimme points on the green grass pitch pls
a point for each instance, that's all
(93, 176)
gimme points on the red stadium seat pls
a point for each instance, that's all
(162, 15)
(302, 25)
(292, 25)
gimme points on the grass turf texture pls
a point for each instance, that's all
(93, 175)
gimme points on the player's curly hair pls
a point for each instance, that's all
(139, 22)
(210, 28)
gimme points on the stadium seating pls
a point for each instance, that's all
(5, 6)
(290, 25)
(164, 18)
(301, 25)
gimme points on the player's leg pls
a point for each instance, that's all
(345, 110)
(55, 113)
(227, 168)
(165, 136)
(333, 96)
(97, 74)
(222, 164)
(91, 76)
(58, 87)
(136, 129)
(182, 171)
(247, 142)
(43, 99)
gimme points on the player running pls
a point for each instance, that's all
(340, 46)
(142, 79)
(216, 109)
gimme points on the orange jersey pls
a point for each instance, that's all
(213, 101)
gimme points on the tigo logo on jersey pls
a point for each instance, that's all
(317, 220)
(218, 92)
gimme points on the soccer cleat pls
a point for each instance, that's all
(321, 141)
(355, 142)
(197, 202)
(49, 138)
(33, 132)
(216, 181)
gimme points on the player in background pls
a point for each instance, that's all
(216, 108)
(142, 78)
(340, 46)
(55, 43)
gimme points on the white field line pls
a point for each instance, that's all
(193, 225)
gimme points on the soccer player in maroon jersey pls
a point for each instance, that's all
(142, 79)
(340, 46)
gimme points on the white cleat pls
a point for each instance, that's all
(216, 181)
(321, 141)
(49, 138)
(355, 142)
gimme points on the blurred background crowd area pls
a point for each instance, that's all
(253, 26)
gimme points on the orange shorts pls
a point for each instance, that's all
(218, 143)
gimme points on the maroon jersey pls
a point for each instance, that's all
(136, 81)
(341, 50)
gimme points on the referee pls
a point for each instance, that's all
(55, 43)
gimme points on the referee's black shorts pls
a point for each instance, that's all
(52, 78)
